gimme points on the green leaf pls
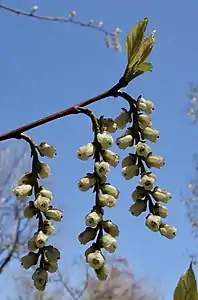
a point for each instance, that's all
(141, 69)
(187, 286)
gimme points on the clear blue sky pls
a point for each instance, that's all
(46, 67)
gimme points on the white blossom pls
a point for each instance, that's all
(161, 195)
(107, 200)
(144, 121)
(129, 172)
(54, 214)
(145, 105)
(87, 182)
(147, 181)
(95, 259)
(22, 191)
(123, 119)
(102, 168)
(44, 170)
(142, 149)
(111, 157)
(153, 222)
(86, 151)
(47, 150)
(109, 243)
(155, 161)
(161, 210)
(124, 141)
(42, 203)
(105, 140)
(168, 231)
(93, 218)
(150, 134)
(40, 239)
(110, 189)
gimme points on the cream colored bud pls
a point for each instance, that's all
(142, 149)
(48, 227)
(144, 121)
(129, 160)
(40, 277)
(138, 207)
(102, 168)
(87, 182)
(145, 105)
(153, 222)
(129, 172)
(40, 239)
(44, 170)
(45, 193)
(111, 157)
(54, 214)
(150, 134)
(92, 219)
(87, 235)
(161, 210)
(124, 142)
(110, 228)
(109, 125)
(91, 249)
(34, 8)
(105, 140)
(30, 211)
(161, 195)
(102, 273)
(109, 243)
(123, 118)
(107, 200)
(138, 194)
(52, 253)
(22, 191)
(86, 151)
(32, 244)
(168, 231)
(46, 150)
(42, 203)
(110, 189)
(155, 161)
(95, 259)
(147, 181)
(29, 260)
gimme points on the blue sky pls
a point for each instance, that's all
(46, 67)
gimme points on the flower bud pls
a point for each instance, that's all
(52, 253)
(102, 168)
(129, 160)
(155, 161)
(42, 203)
(54, 214)
(161, 195)
(40, 239)
(93, 218)
(86, 151)
(48, 227)
(124, 142)
(95, 259)
(111, 157)
(129, 172)
(30, 211)
(87, 182)
(138, 207)
(102, 273)
(105, 140)
(32, 244)
(109, 125)
(44, 170)
(45, 193)
(110, 189)
(144, 121)
(138, 194)
(22, 191)
(29, 260)
(47, 150)
(87, 235)
(123, 118)
(142, 149)
(109, 243)
(153, 222)
(161, 210)
(91, 249)
(150, 134)
(145, 105)
(107, 200)
(110, 228)
(168, 231)
(147, 181)
(40, 277)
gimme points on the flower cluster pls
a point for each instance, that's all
(106, 195)
(134, 165)
(41, 207)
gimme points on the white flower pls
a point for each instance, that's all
(111, 157)
(138, 194)
(45, 193)
(109, 125)
(40, 239)
(161, 210)
(129, 160)
(124, 141)
(110, 189)
(105, 140)
(87, 235)
(44, 170)
(144, 121)
(34, 8)
(54, 214)
(93, 218)
(95, 259)
(86, 151)
(102, 168)
(87, 182)
(138, 207)
(150, 134)
(155, 161)
(123, 119)
(29, 260)
(147, 181)
(109, 243)
(107, 200)
(110, 228)
(145, 105)
(102, 273)
(161, 195)
(52, 253)
(46, 150)
(40, 278)
(30, 211)
(142, 149)
(48, 227)
(42, 203)
(129, 172)
(153, 222)
(22, 191)
(168, 231)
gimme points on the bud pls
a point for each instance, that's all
(40, 239)
(30, 211)
(109, 125)
(129, 172)
(102, 168)
(142, 149)
(150, 134)
(124, 142)
(138, 194)
(22, 191)
(29, 260)
(54, 214)
(145, 105)
(32, 244)
(105, 140)
(144, 121)
(42, 203)
(91, 249)
(44, 170)
(161, 195)
(95, 260)
(93, 218)
(47, 150)
(87, 235)
(110, 189)
(147, 181)
(102, 273)
(161, 210)
(109, 243)
(40, 277)
(45, 193)
(138, 207)
(48, 227)
(130, 160)
(28, 178)
(168, 231)
(107, 200)
(153, 222)
(72, 14)
(51, 253)
(86, 151)
(123, 118)
(155, 161)
(110, 228)
(87, 182)
(34, 9)
(111, 157)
